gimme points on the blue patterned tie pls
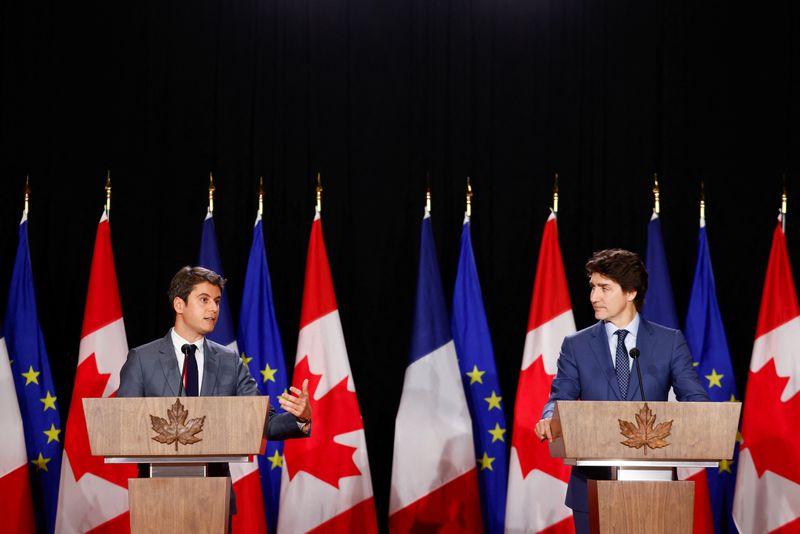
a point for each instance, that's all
(623, 371)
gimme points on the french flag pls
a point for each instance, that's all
(434, 474)
(16, 506)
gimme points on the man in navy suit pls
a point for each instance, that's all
(592, 365)
(209, 369)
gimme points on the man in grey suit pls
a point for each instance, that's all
(207, 368)
(594, 364)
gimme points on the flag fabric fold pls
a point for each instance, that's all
(537, 483)
(659, 307)
(94, 495)
(705, 335)
(260, 343)
(16, 506)
(249, 517)
(473, 345)
(33, 381)
(326, 484)
(767, 494)
(434, 475)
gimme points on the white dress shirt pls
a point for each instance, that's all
(630, 339)
(178, 342)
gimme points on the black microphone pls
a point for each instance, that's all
(185, 350)
(634, 353)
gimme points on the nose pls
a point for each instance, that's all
(594, 295)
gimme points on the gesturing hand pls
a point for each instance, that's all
(296, 402)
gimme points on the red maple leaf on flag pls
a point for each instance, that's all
(769, 425)
(334, 413)
(90, 383)
(534, 390)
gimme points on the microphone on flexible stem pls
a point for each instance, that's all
(634, 353)
(185, 350)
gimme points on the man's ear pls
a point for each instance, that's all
(178, 304)
(631, 295)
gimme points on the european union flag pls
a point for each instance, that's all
(34, 384)
(223, 333)
(705, 335)
(659, 304)
(479, 375)
(260, 342)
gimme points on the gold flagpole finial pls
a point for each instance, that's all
(27, 192)
(784, 199)
(428, 200)
(702, 200)
(319, 193)
(211, 190)
(260, 196)
(108, 192)
(555, 194)
(428, 193)
(656, 194)
(469, 198)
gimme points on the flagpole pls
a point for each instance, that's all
(108, 193)
(428, 198)
(211, 190)
(783, 206)
(319, 193)
(656, 195)
(555, 195)
(260, 196)
(469, 199)
(27, 195)
(702, 202)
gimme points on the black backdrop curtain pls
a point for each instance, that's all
(375, 96)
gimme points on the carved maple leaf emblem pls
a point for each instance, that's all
(644, 434)
(177, 429)
(334, 413)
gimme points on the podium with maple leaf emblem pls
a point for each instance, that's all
(178, 438)
(643, 443)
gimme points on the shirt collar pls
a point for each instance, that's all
(632, 327)
(178, 342)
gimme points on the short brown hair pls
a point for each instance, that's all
(622, 266)
(187, 277)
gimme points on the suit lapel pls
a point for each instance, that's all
(210, 368)
(603, 355)
(169, 364)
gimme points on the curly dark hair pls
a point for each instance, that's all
(188, 277)
(622, 266)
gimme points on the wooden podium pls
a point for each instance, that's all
(643, 495)
(178, 437)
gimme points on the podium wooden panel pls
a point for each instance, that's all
(234, 426)
(122, 431)
(633, 507)
(179, 505)
(590, 430)
(588, 433)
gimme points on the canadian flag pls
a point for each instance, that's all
(94, 495)
(537, 483)
(326, 484)
(767, 496)
(16, 506)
